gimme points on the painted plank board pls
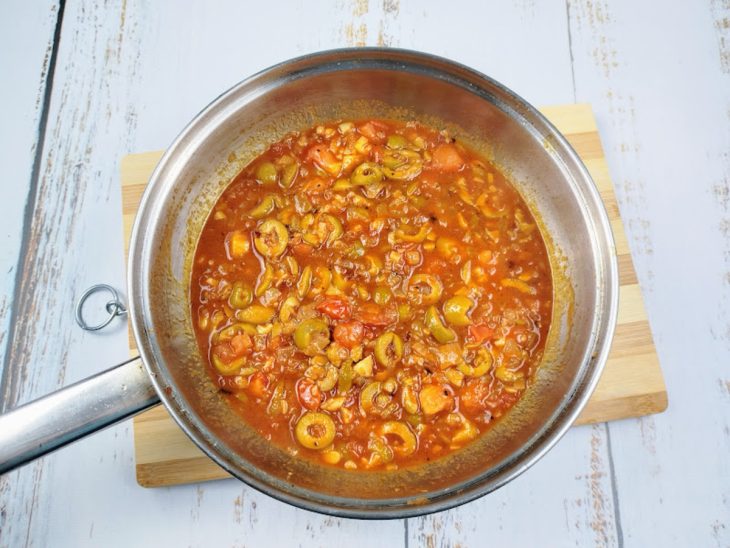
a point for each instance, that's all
(631, 384)
(26, 51)
(109, 97)
(167, 64)
(89, 124)
(640, 73)
(579, 509)
(661, 92)
(537, 26)
(26, 48)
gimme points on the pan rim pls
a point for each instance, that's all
(388, 59)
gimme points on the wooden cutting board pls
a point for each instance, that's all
(631, 385)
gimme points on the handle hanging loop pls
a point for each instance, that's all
(115, 307)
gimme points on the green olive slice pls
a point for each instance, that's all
(227, 333)
(272, 238)
(312, 336)
(304, 282)
(482, 363)
(367, 397)
(241, 295)
(408, 441)
(366, 173)
(265, 280)
(425, 289)
(231, 368)
(456, 310)
(264, 207)
(397, 141)
(266, 173)
(405, 233)
(388, 349)
(255, 314)
(402, 164)
(329, 381)
(329, 228)
(288, 174)
(315, 430)
(437, 328)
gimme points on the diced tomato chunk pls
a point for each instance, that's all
(478, 333)
(317, 185)
(374, 131)
(447, 158)
(258, 384)
(378, 152)
(309, 394)
(435, 398)
(324, 158)
(226, 352)
(302, 249)
(349, 334)
(274, 342)
(241, 344)
(335, 307)
(373, 314)
(473, 395)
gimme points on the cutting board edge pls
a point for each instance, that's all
(651, 403)
(655, 401)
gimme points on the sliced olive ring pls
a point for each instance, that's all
(437, 328)
(315, 430)
(402, 164)
(388, 349)
(425, 289)
(456, 310)
(312, 336)
(366, 173)
(272, 238)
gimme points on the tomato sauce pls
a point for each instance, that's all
(371, 294)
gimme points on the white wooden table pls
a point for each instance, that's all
(84, 83)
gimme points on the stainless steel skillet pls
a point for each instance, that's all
(232, 130)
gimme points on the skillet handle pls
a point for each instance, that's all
(49, 423)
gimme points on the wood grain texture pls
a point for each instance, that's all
(26, 49)
(109, 98)
(131, 74)
(668, 152)
(631, 385)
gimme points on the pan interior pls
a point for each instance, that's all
(238, 127)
